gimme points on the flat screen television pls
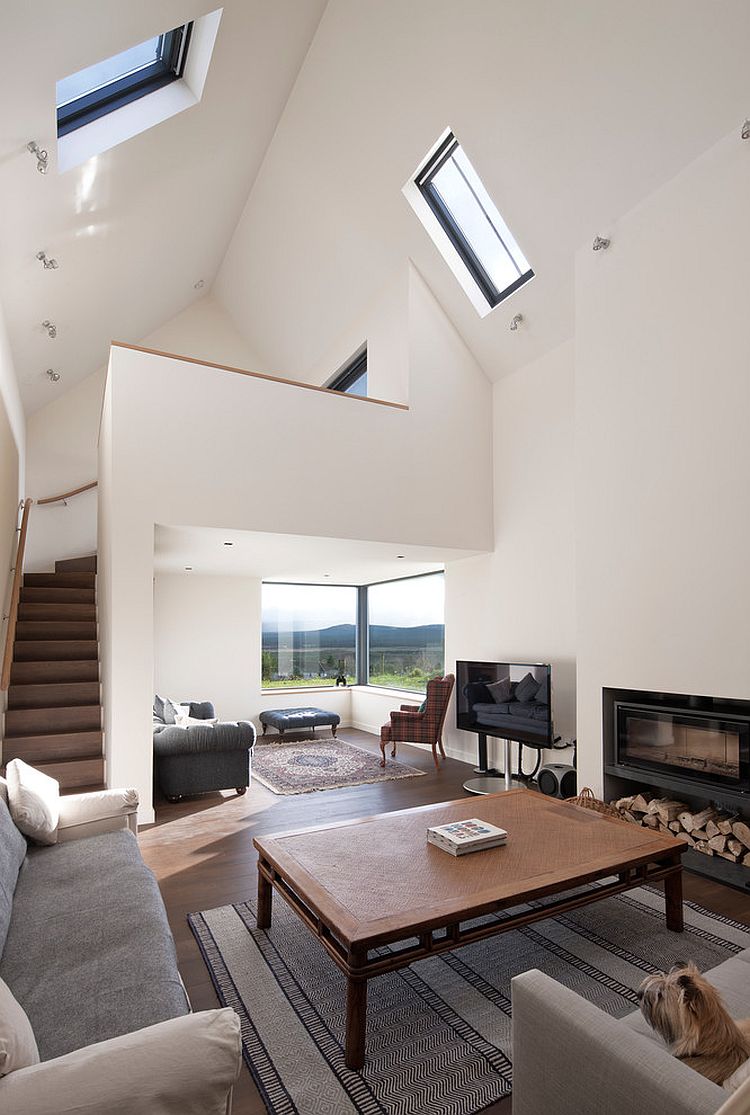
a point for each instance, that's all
(510, 700)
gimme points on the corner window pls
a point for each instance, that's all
(470, 220)
(133, 73)
(406, 631)
(309, 635)
(352, 378)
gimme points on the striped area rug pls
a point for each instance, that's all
(439, 1032)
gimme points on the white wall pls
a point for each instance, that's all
(663, 453)
(237, 452)
(207, 647)
(62, 436)
(518, 603)
(61, 454)
(12, 450)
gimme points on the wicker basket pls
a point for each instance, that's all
(587, 799)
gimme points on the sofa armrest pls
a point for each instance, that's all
(186, 1066)
(97, 812)
(409, 708)
(227, 735)
(570, 1058)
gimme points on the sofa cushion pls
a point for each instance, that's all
(202, 710)
(89, 916)
(34, 800)
(527, 688)
(18, 1047)
(500, 690)
(12, 855)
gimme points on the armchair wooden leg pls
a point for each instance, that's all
(440, 745)
(435, 756)
(383, 741)
(393, 750)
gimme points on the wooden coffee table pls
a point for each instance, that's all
(358, 885)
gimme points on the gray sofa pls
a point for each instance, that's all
(571, 1058)
(86, 949)
(201, 758)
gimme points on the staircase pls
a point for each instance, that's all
(54, 718)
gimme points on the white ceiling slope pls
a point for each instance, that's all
(135, 228)
(571, 113)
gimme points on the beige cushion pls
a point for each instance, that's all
(34, 801)
(17, 1043)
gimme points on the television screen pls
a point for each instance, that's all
(506, 699)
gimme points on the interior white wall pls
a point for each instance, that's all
(207, 647)
(12, 453)
(517, 604)
(61, 443)
(663, 454)
(420, 464)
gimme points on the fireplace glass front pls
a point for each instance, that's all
(704, 748)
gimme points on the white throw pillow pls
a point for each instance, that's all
(18, 1047)
(34, 801)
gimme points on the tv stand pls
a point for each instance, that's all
(490, 780)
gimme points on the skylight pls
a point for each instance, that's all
(133, 73)
(471, 222)
(352, 378)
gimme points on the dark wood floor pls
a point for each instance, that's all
(201, 852)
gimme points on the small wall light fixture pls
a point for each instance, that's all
(51, 329)
(601, 243)
(49, 264)
(746, 129)
(53, 376)
(41, 155)
(200, 284)
(229, 543)
(515, 322)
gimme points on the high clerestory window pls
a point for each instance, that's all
(470, 220)
(133, 73)
(352, 378)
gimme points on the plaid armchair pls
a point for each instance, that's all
(409, 725)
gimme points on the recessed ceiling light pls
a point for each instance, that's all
(326, 574)
(399, 557)
(229, 543)
(188, 569)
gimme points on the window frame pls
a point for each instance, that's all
(424, 183)
(169, 66)
(350, 373)
(361, 631)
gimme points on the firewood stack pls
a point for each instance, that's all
(710, 831)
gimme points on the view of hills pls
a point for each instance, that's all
(343, 635)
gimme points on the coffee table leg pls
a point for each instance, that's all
(356, 1022)
(673, 901)
(265, 897)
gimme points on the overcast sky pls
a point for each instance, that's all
(407, 603)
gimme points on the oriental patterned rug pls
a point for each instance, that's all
(321, 764)
(439, 1031)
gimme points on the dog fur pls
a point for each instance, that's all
(688, 1013)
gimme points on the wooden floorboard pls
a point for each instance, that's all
(201, 852)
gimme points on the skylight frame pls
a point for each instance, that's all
(424, 183)
(169, 66)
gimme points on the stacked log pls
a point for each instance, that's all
(709, 831)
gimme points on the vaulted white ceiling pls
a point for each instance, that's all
(571, 112)
(291, 167)
(134, 229)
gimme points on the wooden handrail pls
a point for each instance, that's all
(259, 375)
(67, 495)
(15, 593)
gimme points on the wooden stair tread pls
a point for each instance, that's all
(41, 650)
(74, 773)
(52, 594)
(65, 790)
(62, 694)
(54, 629)
(64, 611)
(40, 721)
(55, 745)
(59, 580)
(85, 564)
(54, 671)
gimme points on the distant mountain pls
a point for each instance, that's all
(344, 635)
